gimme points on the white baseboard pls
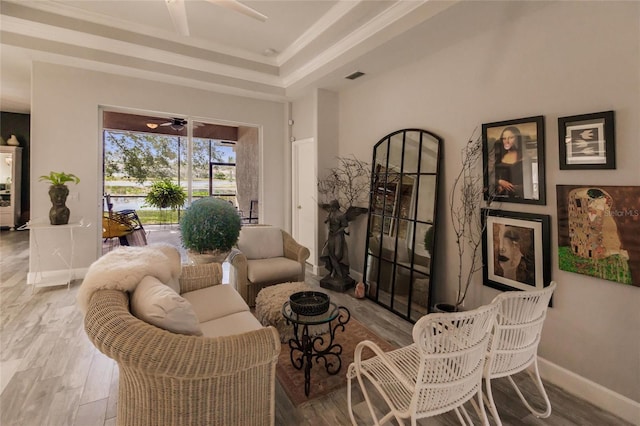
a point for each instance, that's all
(355, 275)
(592, 392)
(315, 269)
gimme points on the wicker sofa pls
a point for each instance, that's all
(265, 255)
(177, 379)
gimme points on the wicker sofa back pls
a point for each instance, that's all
(174, 379)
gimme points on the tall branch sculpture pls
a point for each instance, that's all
(465, 207)
(345, 185)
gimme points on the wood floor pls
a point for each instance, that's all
(50, 374)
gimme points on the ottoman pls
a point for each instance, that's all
(269, 303)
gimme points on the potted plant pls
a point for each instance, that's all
(209, 229)
(165, 194)
(58, 192)
(465, 210)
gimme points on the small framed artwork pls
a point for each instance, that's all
(515, 249)
(587, 141)
(513, 159)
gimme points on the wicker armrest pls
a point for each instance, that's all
(153, 351)
(238, 274)
(237, 258)
(168, 379)
(294, 250)
(195, 277)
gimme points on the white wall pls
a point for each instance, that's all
(327, 119)
(65, 136)
(492, 61)
(316, 116)
(304, 116)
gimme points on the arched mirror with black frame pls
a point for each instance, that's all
(399, 255)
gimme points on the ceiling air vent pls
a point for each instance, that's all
(355, 75)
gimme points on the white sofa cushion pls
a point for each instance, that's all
(214, 302)
(156, 303)
(269, 270)
(261, 242)
(237, 323)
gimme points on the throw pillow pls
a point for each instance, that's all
(154, 302)
(261, 242)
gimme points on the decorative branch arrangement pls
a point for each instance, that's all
(348, 183)
(345, 185)
(465, 207)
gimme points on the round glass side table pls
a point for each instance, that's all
(305, 349)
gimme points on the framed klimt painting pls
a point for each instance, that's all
(513, 159)
(515, 249)
(598, 231)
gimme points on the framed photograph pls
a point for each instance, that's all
(598, 228)
(513, 159)
(515, 249)
(587, 141)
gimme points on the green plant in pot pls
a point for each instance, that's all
(209, 229)
(164, 194)
(58, 193)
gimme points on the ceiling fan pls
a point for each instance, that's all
(176, 124)
(178, 12)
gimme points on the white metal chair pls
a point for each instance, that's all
(438, 373)
(514, 343)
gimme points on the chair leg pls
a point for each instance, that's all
(535, 376)
(376, 422)
(366, 398)
(351, 416)
(491, 403)
(479, 408)
(463, 416)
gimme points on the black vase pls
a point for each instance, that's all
(445, 308)
(59, 213)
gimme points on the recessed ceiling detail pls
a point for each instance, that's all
(303, 44)
(178, 11)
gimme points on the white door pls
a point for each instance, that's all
(304, 198)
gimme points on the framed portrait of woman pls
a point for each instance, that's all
(516, 250)
(513, 160)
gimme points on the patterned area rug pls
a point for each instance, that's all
(322, 383)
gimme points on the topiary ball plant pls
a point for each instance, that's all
(210, 224)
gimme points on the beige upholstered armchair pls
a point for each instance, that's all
(265, 255)
(177, 379)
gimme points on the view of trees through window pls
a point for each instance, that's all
(133, 161)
